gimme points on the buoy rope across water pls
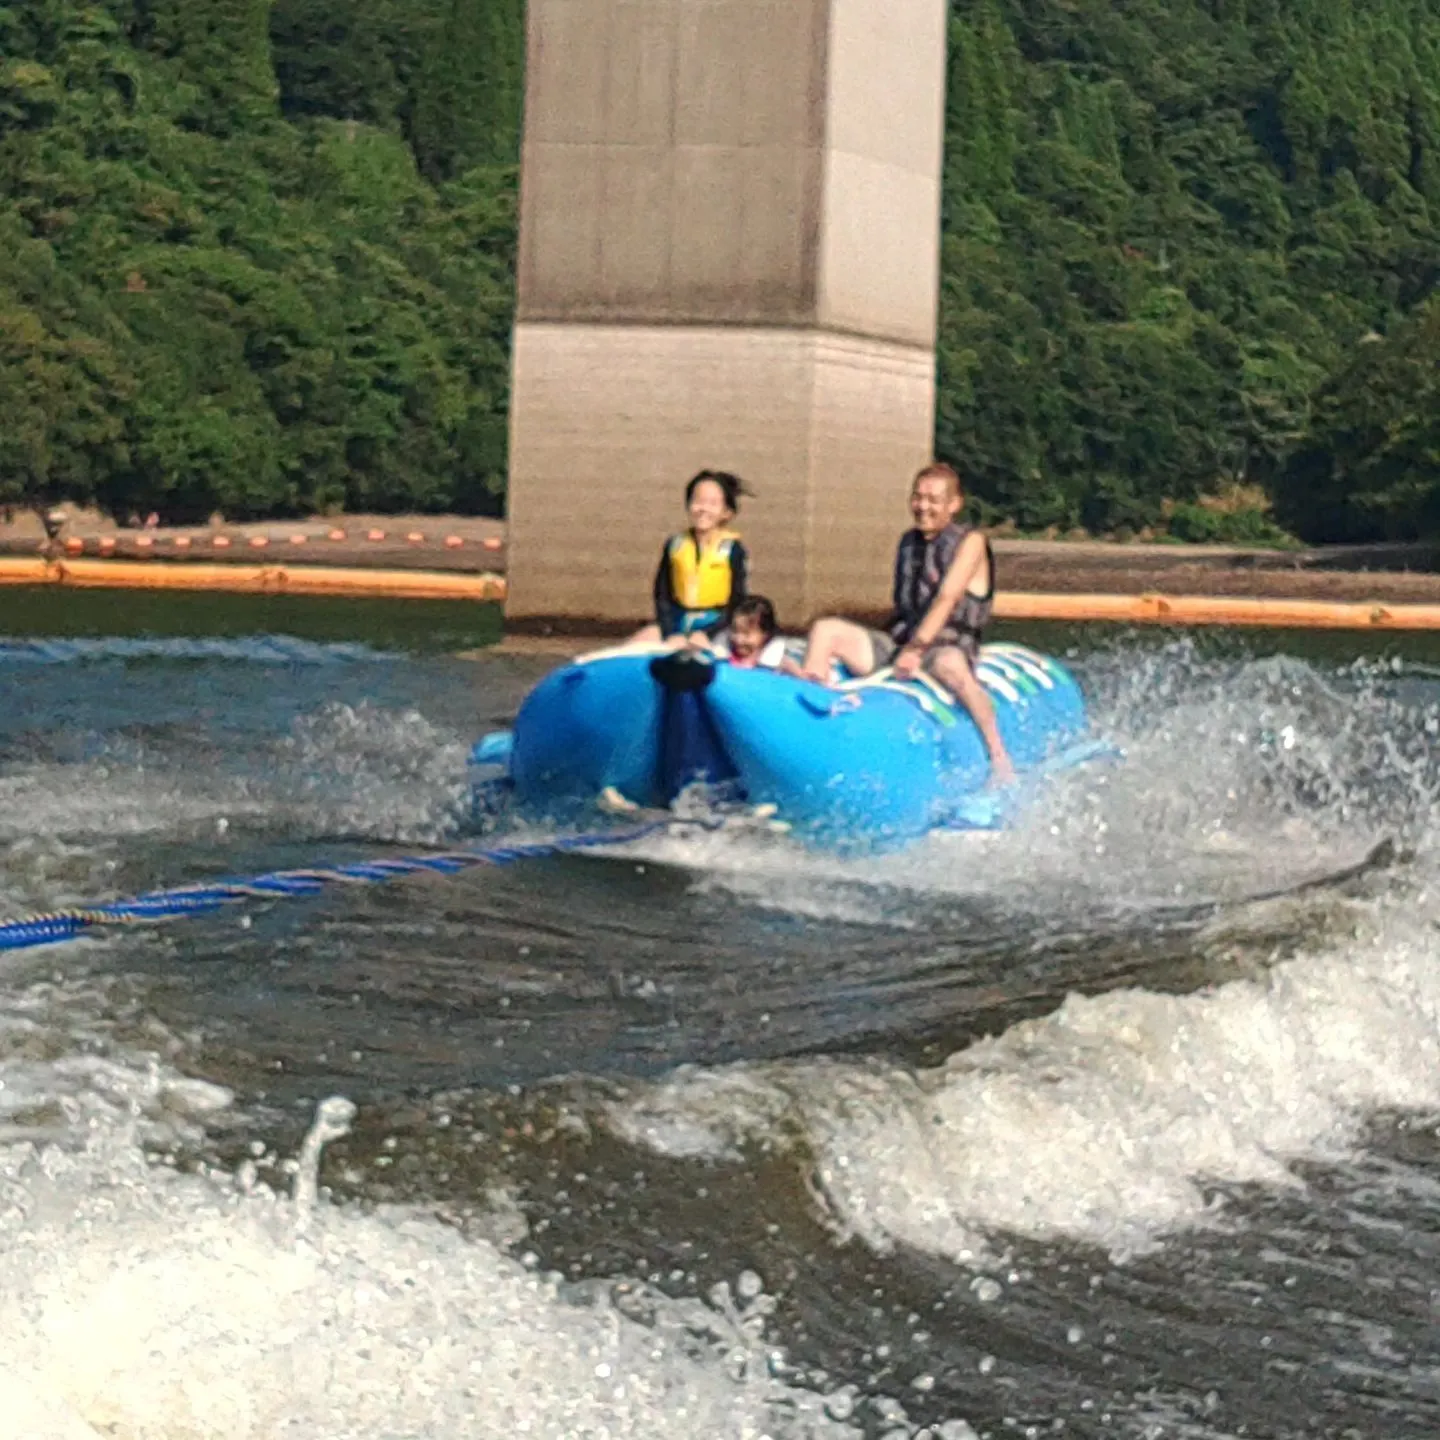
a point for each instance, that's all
(159, 905)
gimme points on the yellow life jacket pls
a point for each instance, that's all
(700, 578)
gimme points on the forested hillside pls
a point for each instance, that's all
(1191, 242)
(259, 256)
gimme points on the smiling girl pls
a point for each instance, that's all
(704, 571)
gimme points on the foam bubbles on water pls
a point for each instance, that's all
(1112, 1120)
(1238, 778)
(343, 770)
(364, 770)
(1102, 1122)
(114, 801)
(138, 1303)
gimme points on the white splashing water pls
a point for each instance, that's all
(363, 770)
(353, 770)
(104, 800)
(1102, 1122)
(1109, 1121)
(142, 1304)
(1237, 780)
(137, 1303)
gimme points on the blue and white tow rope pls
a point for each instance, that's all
(154, 906)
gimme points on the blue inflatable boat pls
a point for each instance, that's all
(875, 761)
(871, 762)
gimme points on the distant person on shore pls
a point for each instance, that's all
(943, 596)
(704, 571)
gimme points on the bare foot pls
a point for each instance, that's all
(1002, 772)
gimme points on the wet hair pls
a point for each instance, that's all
(939, 470)
(731, 486)
(759, 609)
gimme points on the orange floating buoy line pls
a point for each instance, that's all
(275, 579)
(1217, 610)
(254, 579)
(156, 545)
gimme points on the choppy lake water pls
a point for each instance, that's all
(1122, 1123)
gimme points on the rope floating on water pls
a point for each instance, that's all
(159, 905)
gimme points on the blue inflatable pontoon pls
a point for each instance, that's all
(874, 762)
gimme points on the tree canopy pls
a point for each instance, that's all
(258, 255)
(1190, 242)
(257, 259)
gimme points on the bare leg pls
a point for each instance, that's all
(950, 667)
(645, 635)
(834, 639)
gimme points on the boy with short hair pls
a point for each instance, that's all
(944, 589)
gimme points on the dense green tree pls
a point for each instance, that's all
(57, 394)
(1168, 226)
(336, 58)
(468, 88)
(1369, 467)
(63, 386)
(205, 304)
(259, 255)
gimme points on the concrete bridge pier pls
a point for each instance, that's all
(729, 246)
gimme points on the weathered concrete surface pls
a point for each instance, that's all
(825, 428)
(734, 161)
(672, 160)
(728, 257)
(884, 130)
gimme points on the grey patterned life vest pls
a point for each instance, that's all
(920, 567)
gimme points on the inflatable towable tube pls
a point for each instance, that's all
(873, 761)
